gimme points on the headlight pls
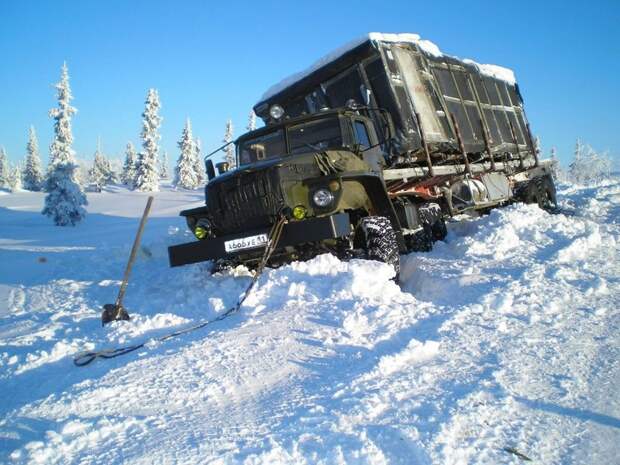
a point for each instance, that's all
(202, 229)
(322, 198)
(276, 111)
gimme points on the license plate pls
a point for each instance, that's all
(250, 242)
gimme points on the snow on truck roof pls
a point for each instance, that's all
(428, 47)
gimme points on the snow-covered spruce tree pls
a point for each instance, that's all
(599, 165)
(185, 173)
(32, 175)
(109, 175)
(230, 149)
(113, 175)
(556, 168)
(199, 166)
(99, 174)
(65, 200)
(589, 166)
(4, 169)
(575, 169)
(163, 166)
(147, 176)
(60, 150)
(251, 121)
(81, 173)
(128, 175)
(15, 178)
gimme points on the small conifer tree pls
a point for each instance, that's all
(32, 174)
(199, 166)
(15, 178)
(556, 168)
(575, 169)
(99, 174)
(185, 174)
(163, 168)
(65, 200)
(4, 169)
(128, 175)
(588, 165)
(147, 176)
(230, 149)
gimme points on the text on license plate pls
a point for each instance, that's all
(249, 242)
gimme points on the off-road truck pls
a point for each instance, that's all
(366, 154)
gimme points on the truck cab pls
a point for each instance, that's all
(330, 130)
(323, 172)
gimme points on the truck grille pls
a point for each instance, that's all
(245, 201)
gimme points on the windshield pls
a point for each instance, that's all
(260, 148)
(321, 134)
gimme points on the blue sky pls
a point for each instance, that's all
(212, 61)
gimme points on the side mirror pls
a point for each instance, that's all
(210, 169)
(351, 104)
(222, 167)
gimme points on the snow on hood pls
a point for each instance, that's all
(428, 47)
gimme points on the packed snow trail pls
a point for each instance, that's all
(505, 337)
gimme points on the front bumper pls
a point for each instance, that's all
(294, 233)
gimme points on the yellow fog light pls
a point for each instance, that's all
(299, 212)
(200, 232)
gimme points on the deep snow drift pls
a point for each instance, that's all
(505, 337)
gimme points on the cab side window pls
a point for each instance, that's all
(361, 133)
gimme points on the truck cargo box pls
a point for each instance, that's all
(424, 91)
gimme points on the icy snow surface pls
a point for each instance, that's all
(427, 46)
(506, 336)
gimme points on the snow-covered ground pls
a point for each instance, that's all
(504, 340)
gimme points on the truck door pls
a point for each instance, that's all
(366, 138)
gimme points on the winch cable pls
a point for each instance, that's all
(85, 358)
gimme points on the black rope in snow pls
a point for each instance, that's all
(85, 358)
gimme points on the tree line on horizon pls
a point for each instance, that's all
(141, 171)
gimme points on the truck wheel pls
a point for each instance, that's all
(551, 201)
(439, 230)
(541, 191)
(376, 236)
(421, 241)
